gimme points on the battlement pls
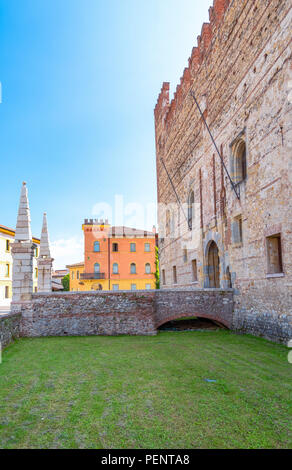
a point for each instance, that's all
(96, 222)
(164, 110)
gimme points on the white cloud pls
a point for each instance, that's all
(67, 252)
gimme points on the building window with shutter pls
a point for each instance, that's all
(133, 268)
(147, 247)
(147, 268)
(96, 247)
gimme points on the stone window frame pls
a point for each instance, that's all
(281, 273)
(191, 204)
(134, 270)
(185, 255)
(194, 271)
(238, 170)
(174, 275)
(237, 223)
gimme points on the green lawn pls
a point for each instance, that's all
(146, 392)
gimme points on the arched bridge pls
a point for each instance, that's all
(214, 304)
(116, 313)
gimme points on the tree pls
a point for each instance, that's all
(157, 274)
(66, 282)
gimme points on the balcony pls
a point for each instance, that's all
(89, 276)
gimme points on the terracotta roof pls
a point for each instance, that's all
(129, 232)
(75, 265)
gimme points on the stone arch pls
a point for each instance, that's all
(215, 319)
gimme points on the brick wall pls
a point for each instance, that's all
(85, 314)
(117, 313)
(214, 304)
(9, 328)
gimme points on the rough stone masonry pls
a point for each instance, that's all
(234, 226)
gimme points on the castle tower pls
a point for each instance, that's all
(45, 262)
(22, 253)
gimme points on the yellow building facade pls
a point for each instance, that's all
(6, 263)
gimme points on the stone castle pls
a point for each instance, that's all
(224, 192)
(225, 204)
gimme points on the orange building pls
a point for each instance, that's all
(115, 258)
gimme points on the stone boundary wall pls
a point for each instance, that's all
(256, 317)
(89, 313)
(206, 303)
(9, 328)
(135, 313)
(118, 313)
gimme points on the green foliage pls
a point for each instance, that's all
(146, 392)
(66, 282)
(157, 274)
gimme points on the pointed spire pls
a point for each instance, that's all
(45, 244)
(23, 230)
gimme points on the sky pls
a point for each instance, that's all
(80, 80)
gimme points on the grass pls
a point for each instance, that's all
(146, 392)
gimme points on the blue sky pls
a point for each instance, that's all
(80, 80)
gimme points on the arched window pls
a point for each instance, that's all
(147, 268)
(97, 268)
(238, 164)
(115, 268)
(97, 247)
(191, 201)
(133, 268)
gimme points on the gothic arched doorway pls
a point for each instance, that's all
(213, 266)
